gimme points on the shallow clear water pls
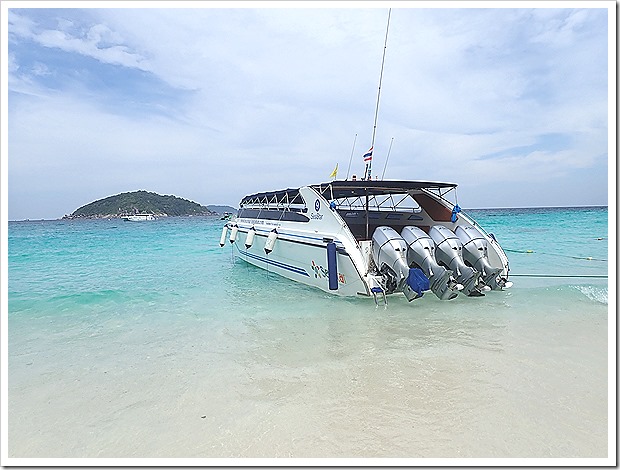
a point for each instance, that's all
(149, 340)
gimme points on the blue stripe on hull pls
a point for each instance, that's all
(278, 264)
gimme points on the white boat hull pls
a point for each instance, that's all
(301, 258)
(138, 218)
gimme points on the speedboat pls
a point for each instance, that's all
(138, 217)
(371, 238)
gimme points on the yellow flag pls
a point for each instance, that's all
(335, 172)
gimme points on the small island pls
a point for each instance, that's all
(139, 202)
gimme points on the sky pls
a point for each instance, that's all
(211, 102)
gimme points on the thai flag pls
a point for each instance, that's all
(368, 155)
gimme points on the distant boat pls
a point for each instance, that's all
(226, 216)
(138, 217)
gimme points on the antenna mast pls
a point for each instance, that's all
(351, 157)
(387, 158)
(368, 176)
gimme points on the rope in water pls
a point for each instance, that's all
(590, 276)
(588, 258)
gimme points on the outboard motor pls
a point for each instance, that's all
(421, 253)
(448, 253)
(389, 252)
(475, 253)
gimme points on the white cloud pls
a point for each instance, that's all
(41, 69)
(99, 42)
(20, 25)
(274, 97)
(12, 64)
(560, 30)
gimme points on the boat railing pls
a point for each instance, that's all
(441, 194)
(384, 202)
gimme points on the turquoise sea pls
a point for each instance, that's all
(149, 340)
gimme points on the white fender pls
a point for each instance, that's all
(249, 239)
(223, 237)
(233, 233)
(271, 241)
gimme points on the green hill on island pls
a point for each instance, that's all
(142, 202)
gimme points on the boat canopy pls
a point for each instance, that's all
(284, 196)
(363, 205)
(346, 189)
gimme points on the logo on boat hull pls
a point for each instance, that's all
(321, 272)
(317, 207)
